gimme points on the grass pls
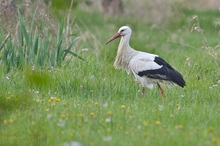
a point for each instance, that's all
(91, 103)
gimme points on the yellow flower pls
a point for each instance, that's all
(109, 113)
(171, 115)
(47, 109)
(8, 97)
(145, 123)
(49, 101)
(122, 106)
(63, 115)
(179, 126)
(54, 104)
(71, 134)
(96, 103)
(11, 121)
(210, 129)
(92, 114)
(5, 122)
(157, 123)
(64, 103)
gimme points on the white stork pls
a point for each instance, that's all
(148, 69)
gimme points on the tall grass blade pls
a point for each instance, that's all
(4, 42)
(75, 55)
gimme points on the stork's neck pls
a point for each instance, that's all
(124, 54)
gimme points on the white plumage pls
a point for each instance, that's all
(148, 69)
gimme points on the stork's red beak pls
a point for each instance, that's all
(117, 35)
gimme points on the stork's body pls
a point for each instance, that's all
(148, 69)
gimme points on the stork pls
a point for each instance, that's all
(149, 69)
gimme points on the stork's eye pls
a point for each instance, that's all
(122, 30)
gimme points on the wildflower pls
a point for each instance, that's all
(179, 126)
(161, 107)
(8, 97)
(63, 115)
(54, 104)
(61, 123)
(5, 122)
(171, 115)
(96, 103)
(11, 121)
(210, 129)
(122, 106)
(105, 104)
(157, 123)
(64, 103)
(92, 114)
(177, 106)
(107, 138)
(109, 113)
(49, 101)
(57, 99)
(145, 123)
(71, 134)
(47, 109)
(73, 143)
(108, 120)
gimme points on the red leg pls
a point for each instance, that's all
(161, 91)
(143, 90)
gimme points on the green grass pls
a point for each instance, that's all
(91, 103)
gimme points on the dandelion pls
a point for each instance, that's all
(71, 134)
(122, 106)
(157, 123)
(57, 99)
(177, 106)
(49, 101)
(145, 123)
(64, 103)
(109, 113)
(63, 115)
(210, 129)
(171, 115)
(11, 121)
(8, 97)
(5, 122)
(92, 114)
(179, 126)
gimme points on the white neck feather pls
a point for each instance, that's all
(124, 54)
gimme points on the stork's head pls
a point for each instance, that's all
(123, 31)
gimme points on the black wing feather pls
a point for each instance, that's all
(166, 72)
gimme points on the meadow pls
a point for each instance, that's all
(82, 100)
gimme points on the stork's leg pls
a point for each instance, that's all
(143, 90)
(161, 91)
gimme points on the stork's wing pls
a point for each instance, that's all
(156, 68)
